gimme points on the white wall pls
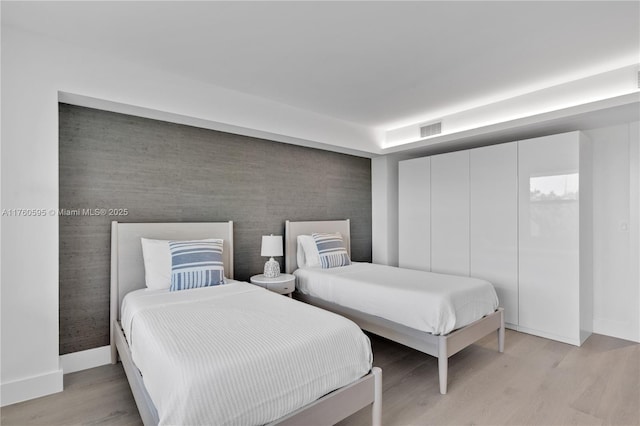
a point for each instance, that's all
(34, 71)
(29, 275)
(634, 154)
(616, 249)
(384, 205)
(615, 285)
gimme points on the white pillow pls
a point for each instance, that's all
(301, 260)
(311, 255)
(157, 262)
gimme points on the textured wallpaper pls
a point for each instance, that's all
(131, 169)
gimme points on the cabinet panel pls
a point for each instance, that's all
(494, 222)
(549, 236)
(450, 213)
(414, 214)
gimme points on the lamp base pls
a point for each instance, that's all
(271, 268)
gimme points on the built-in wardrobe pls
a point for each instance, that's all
(517, 214)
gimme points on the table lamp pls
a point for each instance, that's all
(271, 246)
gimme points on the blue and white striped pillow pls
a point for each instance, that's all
(331, 250)
(196, 264)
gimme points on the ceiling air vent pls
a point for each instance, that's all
(430, 129)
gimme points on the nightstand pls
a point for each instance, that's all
(282, 284)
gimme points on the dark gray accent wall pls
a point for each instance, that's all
(162, 171)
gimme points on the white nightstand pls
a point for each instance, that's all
(282, 284)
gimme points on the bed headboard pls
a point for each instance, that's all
(293, 229)
(127, 265)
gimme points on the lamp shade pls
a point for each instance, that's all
(271, 245)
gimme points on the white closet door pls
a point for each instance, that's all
(450, 213)
(549, 221)
(414, 214)
(494, 222)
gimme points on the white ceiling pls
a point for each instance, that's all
(375, 64)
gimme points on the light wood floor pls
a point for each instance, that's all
(535, 382)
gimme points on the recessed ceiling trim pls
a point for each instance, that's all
(612, 111)
(607, 85)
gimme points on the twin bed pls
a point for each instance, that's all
(434, 313)
(239, 354)
(233, 353)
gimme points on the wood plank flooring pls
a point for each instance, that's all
(535, 382)
(99, 396)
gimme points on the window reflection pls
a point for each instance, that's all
(554, 187)
(553, 207)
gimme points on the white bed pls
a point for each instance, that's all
(434, 313)
(229, 369)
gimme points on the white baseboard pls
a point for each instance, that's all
(31, 387)
(563, 339)
(619, 329)
(83, 360)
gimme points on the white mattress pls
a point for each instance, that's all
(237, 353)
(425, 301)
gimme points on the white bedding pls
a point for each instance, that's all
(237, 353)
(425, 301)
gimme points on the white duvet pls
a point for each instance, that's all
(425, 301)
(238, 354)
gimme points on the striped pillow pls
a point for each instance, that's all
(196, 264)
(331, 250)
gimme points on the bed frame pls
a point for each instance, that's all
(127, 274)
(440, 346)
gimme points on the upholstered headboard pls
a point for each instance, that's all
(293, 229)
(127, 264)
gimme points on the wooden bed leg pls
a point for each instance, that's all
(376, 408)
(443, 364)
(501, 333)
